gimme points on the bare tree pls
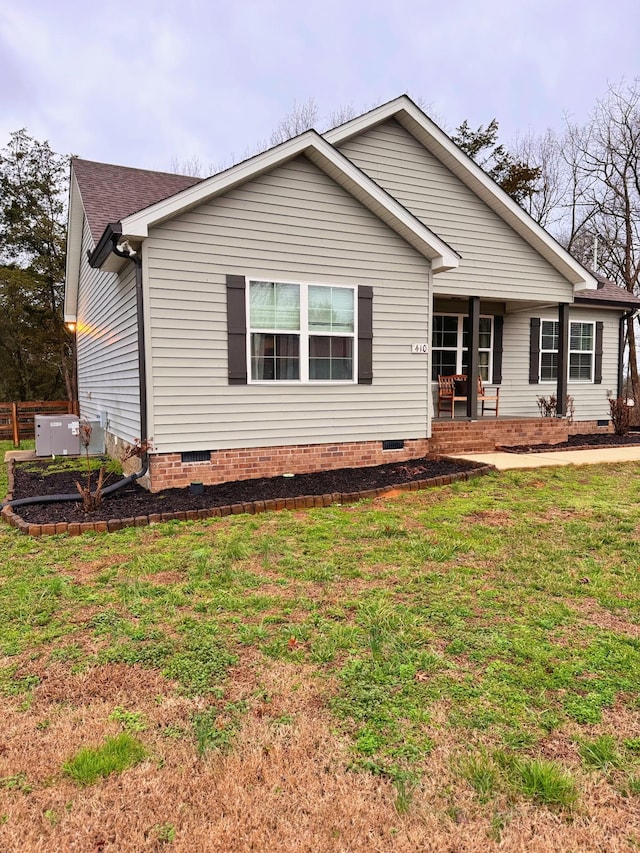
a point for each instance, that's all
(302, 117)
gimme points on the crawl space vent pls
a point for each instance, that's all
(393, 444)
(196, 456)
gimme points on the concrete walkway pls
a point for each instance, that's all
(507, 461)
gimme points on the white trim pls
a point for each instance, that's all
(303, 334)
(459, 349)
(330, 161)
(591, 352)
(76, 218)
(435, 140)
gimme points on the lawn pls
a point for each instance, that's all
(451, 670)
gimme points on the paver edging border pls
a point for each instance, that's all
(75, 528)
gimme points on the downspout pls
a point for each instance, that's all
(630, 315)
(123, 250)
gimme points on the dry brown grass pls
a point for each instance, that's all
(284, 786)
(598, 616)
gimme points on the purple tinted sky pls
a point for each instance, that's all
(145, 82)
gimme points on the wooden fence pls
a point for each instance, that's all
(17, 419)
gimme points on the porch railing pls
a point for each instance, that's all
(17, 419)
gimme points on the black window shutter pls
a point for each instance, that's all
(597, 374)
(365, 335)
(534, 351)
(236, 330)
(496, 374)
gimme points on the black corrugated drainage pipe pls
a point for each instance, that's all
(123, 250)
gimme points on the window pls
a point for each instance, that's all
(549, 337)
(300, 332)
(450, 345)
(581, 351)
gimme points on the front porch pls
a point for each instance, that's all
(464, 435)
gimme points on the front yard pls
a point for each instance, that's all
(455, 669)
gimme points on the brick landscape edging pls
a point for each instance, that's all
(75, 528)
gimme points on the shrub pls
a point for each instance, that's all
(548, 406)
(620, 415)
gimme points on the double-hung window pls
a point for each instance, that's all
(581, 351)
(450, 346)
(301, 332)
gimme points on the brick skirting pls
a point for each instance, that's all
(167, 471)
(483, 436)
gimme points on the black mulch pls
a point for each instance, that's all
(575, 442)
(132, 500)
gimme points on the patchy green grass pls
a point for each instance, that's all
(113, 756)
(494, 622)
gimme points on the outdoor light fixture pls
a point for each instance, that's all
(71, 327)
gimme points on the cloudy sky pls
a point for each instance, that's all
(149, 82)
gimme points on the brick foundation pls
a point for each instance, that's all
(167, 471)
(485, 435)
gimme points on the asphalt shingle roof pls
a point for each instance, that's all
(110, 193)
(608, 292)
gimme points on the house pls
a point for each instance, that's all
(293, 312)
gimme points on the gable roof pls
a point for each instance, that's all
(111, 192)
(435, 140)
(330, 161)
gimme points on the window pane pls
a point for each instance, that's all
(580, 366)
(331, 309)
(330, 358)
(275, 356)
(484, 366)
(443, 363)
(274, 305)
(550, 334)
(581, 336)
(549, 366)
(485, 332)
(445, 332)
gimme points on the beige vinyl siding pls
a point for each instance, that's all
(107, 347)
(518, 397)
(495, 261)
(293, 224)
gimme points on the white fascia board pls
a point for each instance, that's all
(330, 161)
(74, 251)
(436, 141)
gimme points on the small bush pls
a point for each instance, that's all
(620, 415)
(548, 406)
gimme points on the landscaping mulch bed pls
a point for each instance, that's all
(588, 441)
(133, 505)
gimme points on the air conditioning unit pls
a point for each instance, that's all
(57, 435)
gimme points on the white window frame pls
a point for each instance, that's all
(303, 333)
(591, 352)
(554, 380)
(459, 349)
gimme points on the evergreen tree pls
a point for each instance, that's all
(38, 351)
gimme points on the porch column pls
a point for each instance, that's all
(563, 358)
(474, 358)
